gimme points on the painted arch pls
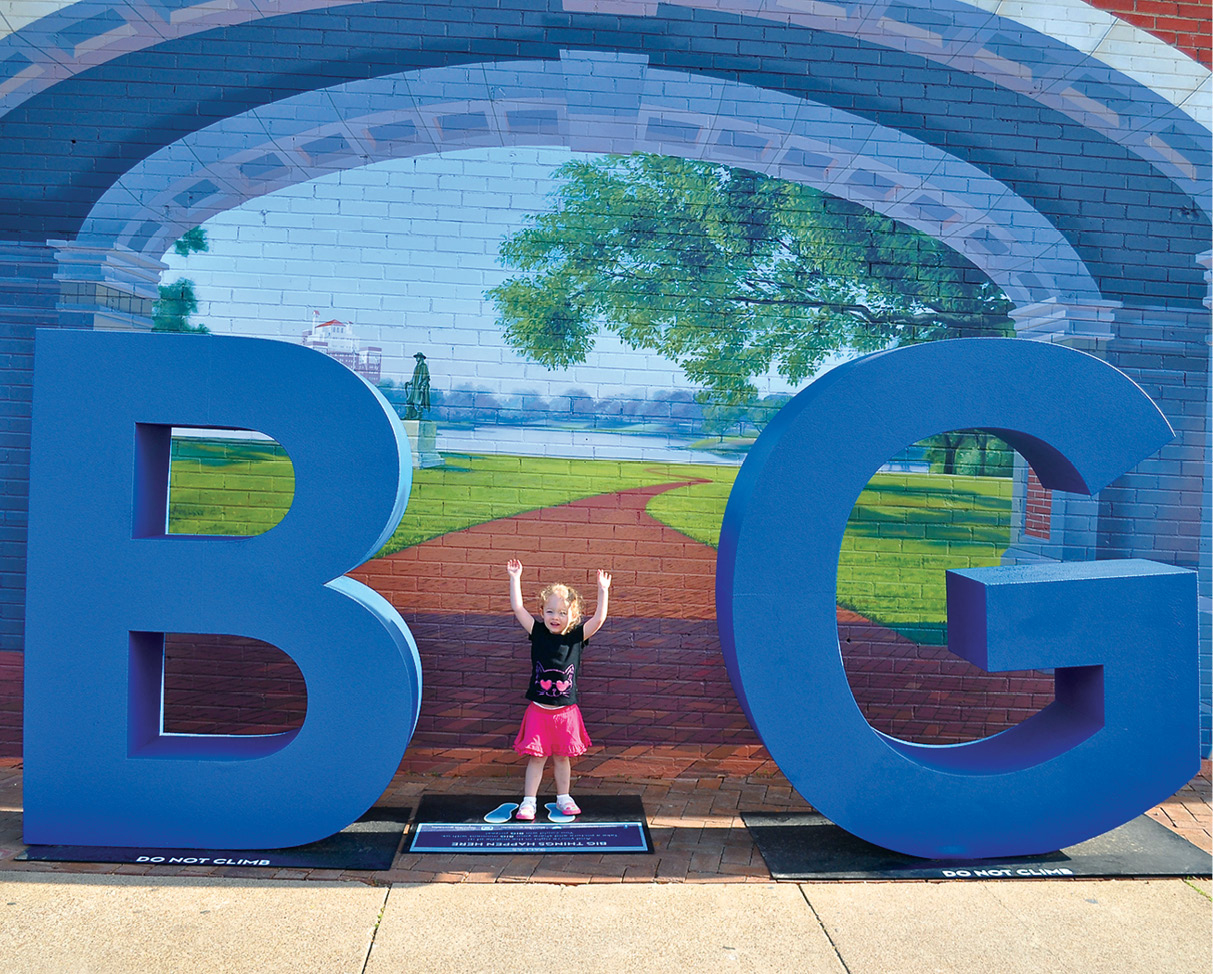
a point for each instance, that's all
(1099, 150)
(577, 103)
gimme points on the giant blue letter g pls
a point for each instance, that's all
(1122, 733)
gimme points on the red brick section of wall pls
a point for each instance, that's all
(1038, 508)
(664, 686)
(10, 704)
(1182, 24)
(654, 675)
(925, 694)
(230, 685)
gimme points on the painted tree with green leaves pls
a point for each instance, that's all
(177, 302)
(728, 273)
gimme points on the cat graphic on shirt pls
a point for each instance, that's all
(553, 683)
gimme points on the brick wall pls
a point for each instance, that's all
(1055, 158)
(11, 686)
(647, 681)
(1183, 24)
(654, 675)
(1038, 508)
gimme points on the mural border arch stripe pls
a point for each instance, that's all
(528, 103)
(1069, 170)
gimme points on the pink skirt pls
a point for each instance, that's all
(560, 732)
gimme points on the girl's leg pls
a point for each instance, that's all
(562, 770)
(534, 775)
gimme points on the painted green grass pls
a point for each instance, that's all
(228, 487)
(240, 489)
(473, 489)
(905, 531)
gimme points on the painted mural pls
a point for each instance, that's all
(603, 364)
(588, 267)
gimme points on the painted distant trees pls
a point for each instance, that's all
(729, 273)
(173, 308)
(973, 452)
(177, 301)
(668, 411)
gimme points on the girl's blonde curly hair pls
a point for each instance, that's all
(566, 592)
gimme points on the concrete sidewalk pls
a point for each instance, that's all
(703, 902)
(73, 924)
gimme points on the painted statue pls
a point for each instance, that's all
(417, 390)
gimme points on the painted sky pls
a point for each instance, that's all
(403, 251)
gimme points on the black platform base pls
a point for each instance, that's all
(808, 846)
(456, 824)
(370, 843)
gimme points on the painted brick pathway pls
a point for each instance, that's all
(655, 675)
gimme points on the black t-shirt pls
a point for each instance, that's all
(555, 659)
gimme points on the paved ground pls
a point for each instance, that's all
(704, 902)
(693, 797)
(147, 925)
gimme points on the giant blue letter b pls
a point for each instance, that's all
(106, 581)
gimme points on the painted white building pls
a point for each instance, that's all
(337, 340)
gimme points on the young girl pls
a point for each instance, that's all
(552, 724)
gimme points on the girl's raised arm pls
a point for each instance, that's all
(600, 613)
(525, 619)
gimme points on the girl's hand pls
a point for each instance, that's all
(600, 613)
(525, 619)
